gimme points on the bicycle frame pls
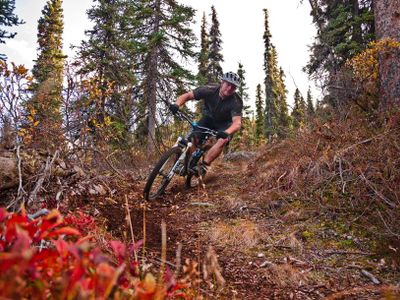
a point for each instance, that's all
(185, 144)
(178, 156)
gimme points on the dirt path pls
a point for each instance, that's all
(266, 249)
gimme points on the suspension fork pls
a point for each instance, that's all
(185, 146)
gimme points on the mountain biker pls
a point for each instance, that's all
(222, 112)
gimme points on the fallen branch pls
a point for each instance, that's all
(33, 195)
(379, 194)
(387, 226)
(370, 277)
(339, 252)
(20, 187)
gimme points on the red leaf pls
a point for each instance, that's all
(118, 248)
(64, 230)
(76, 275)
(136, 246)
(62, 247)
(23, 241)
(83, 239)
(3, 214)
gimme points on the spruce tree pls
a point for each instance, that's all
(242, 91)
(272, 108)
(8, 19)
(202, 76)
(344, 29)
(268, 81)
(283, 113)
(298, 113)
(310, 105)
(214, 70)
(44, 116)
(108, 55)
(259, 113)
(166, 41)
(203, 55)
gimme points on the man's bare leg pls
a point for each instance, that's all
(215, 151)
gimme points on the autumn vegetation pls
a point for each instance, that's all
(77, 132)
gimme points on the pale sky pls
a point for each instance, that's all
(241, 26)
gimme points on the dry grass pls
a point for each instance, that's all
(242, 234)
(286, 275)
(366, 292)
(233, 203)
(349, 167)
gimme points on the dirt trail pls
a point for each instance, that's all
(266, 249)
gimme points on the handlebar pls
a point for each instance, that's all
(181, 115)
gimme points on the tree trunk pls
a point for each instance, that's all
(151, 85)
(387, 25)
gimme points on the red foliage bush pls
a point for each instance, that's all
(44, 259)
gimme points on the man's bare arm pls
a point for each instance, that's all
(182, 99)
(236, 125)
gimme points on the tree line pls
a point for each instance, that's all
(113, 92)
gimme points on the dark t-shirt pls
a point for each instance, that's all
(220, 110)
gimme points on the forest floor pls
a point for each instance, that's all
(266, 249)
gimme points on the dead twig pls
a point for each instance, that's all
(370, 276)
(280, 177)
(21, 192)
(379, 194)
(341, 175)
(339, 252)
(129, 220)
(144, 233)
(163, 249)
(20, 187)
(178, 259)
(47, 170)
(387, 226)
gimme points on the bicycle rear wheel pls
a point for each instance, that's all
(159, 178)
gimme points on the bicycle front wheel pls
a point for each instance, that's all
(162, 174)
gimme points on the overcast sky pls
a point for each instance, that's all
(241, 26)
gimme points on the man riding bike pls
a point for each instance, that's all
(222, 112)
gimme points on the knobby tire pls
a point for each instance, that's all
(172, 156)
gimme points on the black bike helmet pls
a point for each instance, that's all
(232, 78)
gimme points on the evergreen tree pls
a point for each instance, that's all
(165, 41)
(268, 81)
(276, 93)
(109, 56)
(8, 19)
(282, 107)
(203, 55)
(242, 91)
(310, 105)
(299, 109)
(214, 70)
(259, 113)
(44, 109)
(345, 27)
(202, 76)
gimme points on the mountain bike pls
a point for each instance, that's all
(180, 159)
